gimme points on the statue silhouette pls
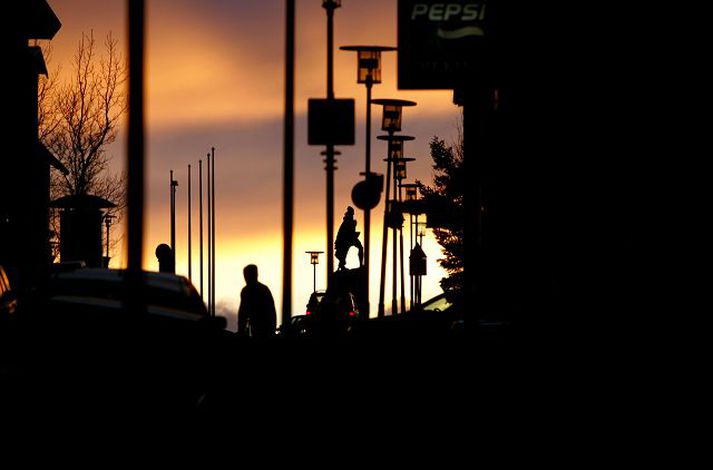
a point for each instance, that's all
(347, 237)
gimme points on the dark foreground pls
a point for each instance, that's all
(138, 375)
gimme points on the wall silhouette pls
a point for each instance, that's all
(24, 180)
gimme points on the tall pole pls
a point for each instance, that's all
(172, 188)
(401, 249)
(314, 278)
(210, 281)
(289, 158)
(329, 153)
(212, 252)
(107, 223)
(135, 154)
(410, 239)
(190, 246)
(385, 231)
(420, 278)
(395, 264)
(200, 220)
(367, 211)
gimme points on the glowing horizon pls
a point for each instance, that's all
(215, 78)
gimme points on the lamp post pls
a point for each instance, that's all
(368, 73)
(200, 222)
(329, 6)
(173, 186)
(395, 150)
(107, 223)
(314, 261)
(391, 122)
(395, 218)
(420, 233)
(190, 247)
(399, 176)
(212, 231)
(411, 198)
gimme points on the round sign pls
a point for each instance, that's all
(367, 194)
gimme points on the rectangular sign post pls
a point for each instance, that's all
(330, 121)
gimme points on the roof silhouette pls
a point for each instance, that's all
(82, 201)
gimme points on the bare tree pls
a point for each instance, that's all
(47, 118)
(79, 118)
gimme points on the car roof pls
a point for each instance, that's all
(164, 281)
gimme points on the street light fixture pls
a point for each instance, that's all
(368, 62)
(392, 112)
(108, 219)
(411, 191)
(314, 261)
(400, 170)
(368, 73)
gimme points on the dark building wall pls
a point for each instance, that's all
(24, 175)
(81, 236)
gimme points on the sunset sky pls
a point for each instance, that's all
(215, 78)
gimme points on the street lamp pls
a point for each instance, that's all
(418, 262)
(421, 231)
(411, 191)
(368, 63)
(395, 151)
(411, 205)
(107, 223)
(314, 261)
(392, 113)
(399, 164)
(368, 73)
(400, 170)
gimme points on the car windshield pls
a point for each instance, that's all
(437, 304)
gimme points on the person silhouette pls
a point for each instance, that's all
(256, 315)
(347, 237)
(166, 261)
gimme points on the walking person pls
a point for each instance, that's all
(256, 315)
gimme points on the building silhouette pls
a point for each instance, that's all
(25, 162)
(81, 218)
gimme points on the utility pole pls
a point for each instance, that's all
(200, 220)
(190, 246)
(330, 6)
(173, 186)
(210, 280)
(212, 193)
(288, 162)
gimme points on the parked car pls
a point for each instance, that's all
(168, 296)
(441, 309)
(314, 300)
(154, 346)
(326, 314)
